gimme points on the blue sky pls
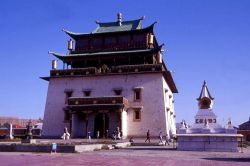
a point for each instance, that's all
(206, 40)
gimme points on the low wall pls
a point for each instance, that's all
(35, 148)
(46, 148)
(205, 143)
(20, 132)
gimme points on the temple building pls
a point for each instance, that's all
(113, 77)
(244, 129)
(206, 134)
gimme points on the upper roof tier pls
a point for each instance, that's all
(119, 25)
(116, 26)
(113, 27)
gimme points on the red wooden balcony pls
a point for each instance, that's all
(93, 103)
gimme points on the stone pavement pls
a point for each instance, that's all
(135, 155)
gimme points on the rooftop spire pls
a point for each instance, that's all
(205, 100)
(205, 92)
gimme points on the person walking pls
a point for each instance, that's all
(160, 137)
(148, 137)
(167, 139)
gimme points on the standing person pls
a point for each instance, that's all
(160, 137)
(148, 137)
(167, 139)
(98, 134)
(89, 136)
(114, 135)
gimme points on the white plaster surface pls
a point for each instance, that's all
(153, 102)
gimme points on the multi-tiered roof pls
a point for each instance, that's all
(119, 47)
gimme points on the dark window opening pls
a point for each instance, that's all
(137, 95)
(87, 93)
(137, 115)
(118, 92)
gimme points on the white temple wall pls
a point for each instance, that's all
(153, 112)
(169, 109)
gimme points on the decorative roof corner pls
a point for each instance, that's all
(56, 54)
(160, 46)
(142, 17)
(73, 34)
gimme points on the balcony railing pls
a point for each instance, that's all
(113, 69)
(137, 68)
(110, 100)
(110, 47)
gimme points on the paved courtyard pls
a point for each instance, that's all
(136, 155)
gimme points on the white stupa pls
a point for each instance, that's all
(206, 134)
(205, 115)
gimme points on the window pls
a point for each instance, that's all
(86, 92)
(137, 114)
(137, 94)
(68, 94)
(118, 91)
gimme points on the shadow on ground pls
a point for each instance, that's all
(229, 159)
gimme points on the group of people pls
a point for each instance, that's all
(160, 137)
(117, 136)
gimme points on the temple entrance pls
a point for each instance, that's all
(101, 125)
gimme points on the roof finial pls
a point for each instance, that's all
(205, 92)
(119, 18)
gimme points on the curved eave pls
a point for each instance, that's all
(79, 56)
(78, 35)
(45, 78)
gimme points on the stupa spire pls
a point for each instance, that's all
(205, 100)
(205, 92)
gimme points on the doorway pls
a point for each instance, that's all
(101, 125)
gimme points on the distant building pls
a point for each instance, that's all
(244, 129)
(113, 77)
(206, 134)
(17, 122)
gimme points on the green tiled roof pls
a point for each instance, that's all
(112, 27)
(115, 27)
